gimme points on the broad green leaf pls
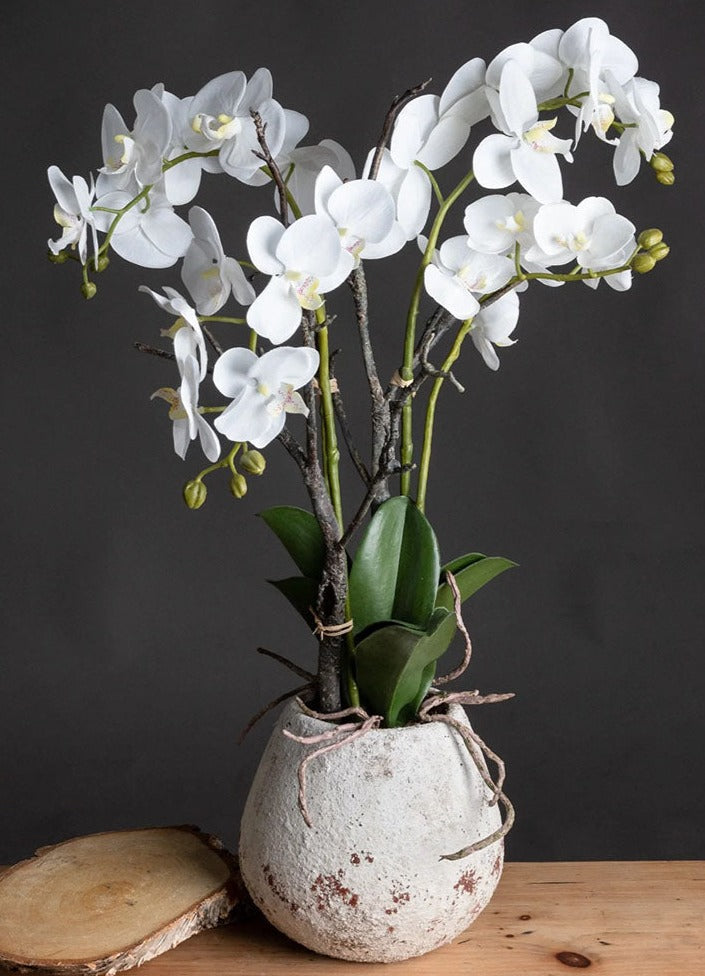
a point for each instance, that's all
(301, 536)
(455, 565)
(301, 592)
(472, 578)
(394, 667)
(394, 574)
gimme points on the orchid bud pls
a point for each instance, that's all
(253, 462)
(649, 238)
(60, 258)
(102, 262)
(661, 162)
(660, 251)
(88, 290)
(666, 179)
(643, 263)
(238, 486)
(195, 494)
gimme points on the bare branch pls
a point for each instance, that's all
(153, 351)
(212, 339)
(345, 430)
(397, 105)
(302, 672)
(266, 156)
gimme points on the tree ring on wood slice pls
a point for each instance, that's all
(107, 902)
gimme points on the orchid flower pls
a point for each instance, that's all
(527, 150)
(493, 325)
(188, 423)
(220, 120)
(186, 331)
(263, 391)
(137, 154)
(305, 260)
(72, 212)
(539, 62)
(410, 190)
(591, 52)
(458, 274)
(648, 127)
(182, 182)
(208, 274)
(149, 233)
(433, 129)
(591, 234)
(302, 166)
(363, 212)
(496, 223)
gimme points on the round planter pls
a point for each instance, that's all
(367, 881)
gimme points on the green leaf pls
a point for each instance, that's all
(472, 577)
(301, 592)
(395, 664)
(455, 565)
(395, 571)
(301, 536)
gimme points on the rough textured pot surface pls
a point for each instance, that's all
(366, 881)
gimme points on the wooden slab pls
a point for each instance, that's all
(626, 918)
(109, 902)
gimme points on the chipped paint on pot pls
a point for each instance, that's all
(366, 881)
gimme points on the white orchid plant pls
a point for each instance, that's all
(386, 610)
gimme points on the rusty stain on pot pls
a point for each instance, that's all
(328, 887)
(276, 890)
(497, 866)
(355, 859)
(574, 959)
(466, 883)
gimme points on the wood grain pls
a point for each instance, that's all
(625, 918)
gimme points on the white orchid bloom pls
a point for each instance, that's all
(432, 129)
(622, 281)
(208, 274)
(458, 274)
(263, 391)
(301, 167)
(72, 212)
(493, 327)
(539, 62)
(188, 423)
(592, 234)
(591, 51)
(648, 126)
(136, 154)
(496, 223)
(186, 331)
(305, 261)
(220, 119)
(149, 233)
(527, 151)
(182, 182)
(363, 212)
(410, 190)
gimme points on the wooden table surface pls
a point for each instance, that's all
(615, 918)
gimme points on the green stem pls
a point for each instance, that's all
(221, 318)
(168, 163)
(406, 372)
(143, 194)
(332, 454)
(226, 462)
(433, 181)
(425, 463)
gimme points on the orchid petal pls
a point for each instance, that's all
(450, 293)
(276, 313)
(231, 373)
(466, 80)
(538, 172)
(310, 244)
(263, 238)
(517, 99)
(445, 142)
(492, 161)
(364, 207)
(413, 201)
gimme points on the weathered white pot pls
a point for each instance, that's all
(366, 881)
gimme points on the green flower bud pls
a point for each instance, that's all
(253, 462)
(643, 263)
(648, 238)
(88, 290)
(661, 162)
(60, 258)
(195, 494)
(666, 179)
(102, 263)
(660, 251)
(238, 486)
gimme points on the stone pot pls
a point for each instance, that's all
(366, 881)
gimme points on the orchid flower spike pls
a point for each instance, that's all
(305, 261)
(263, 391)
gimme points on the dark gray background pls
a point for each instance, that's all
(130, 623)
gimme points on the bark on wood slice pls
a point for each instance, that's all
(108, 902)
